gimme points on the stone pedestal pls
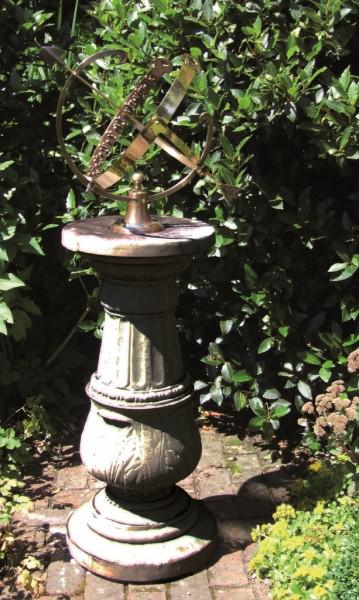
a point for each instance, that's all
(140, 437)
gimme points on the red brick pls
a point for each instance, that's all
(148, 592)
(47, 516)
(229, 569)
(100, 588)
(194, 587)
(248, 465)
(223, 509)
(72, 478)
(244, 593)
(236, 533)
(188, 485)
(41, 503)
(253, 500)
(93, 483)
(261, 590)
(249, 551)
(213, 482)
(66, 578)
(70, 498)
(212, 451)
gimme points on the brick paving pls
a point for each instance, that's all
(235, 479)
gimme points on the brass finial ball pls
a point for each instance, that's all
(137, 179)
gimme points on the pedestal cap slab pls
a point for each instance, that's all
(179, 237)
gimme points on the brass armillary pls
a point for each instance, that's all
(156, 131)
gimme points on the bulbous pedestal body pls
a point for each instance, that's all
(140, 437)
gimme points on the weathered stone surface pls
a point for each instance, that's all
(229, 569)
(214, 481)
(243, 593)
(254, 500)
(248, 466)
(56, 531)
(236, 534)
(261, 590)
(72, 478)
(70, 498)
(189, 485)
(212, 451)
(95, 236)
(280, 495)
(233, 444)
(248, 552)
(278, 482)
(194, 587)
(47, 516)
(35, 536)
(225, 509)
(100, 588)
(147, 593)
(64, 578)
(149, 587)
(93, 483)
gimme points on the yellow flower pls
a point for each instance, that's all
(315, 466)
(280, 529)
(338, 527)
(330, 584)
(347, 500)
(316, 572)
(261, 531)
(309, 553)
(302, 571)
(329, 553)
(319, 509)
(284, 511)
(319, 591)
(294, 542)
(310, 572)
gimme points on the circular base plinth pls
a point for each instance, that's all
(144, 562)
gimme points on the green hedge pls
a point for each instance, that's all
(275, 303)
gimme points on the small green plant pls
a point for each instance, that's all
(303, 551)
(31, 576)
(324, 479)
(12, 453)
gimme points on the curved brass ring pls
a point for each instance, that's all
(206, 119)
(59, 111)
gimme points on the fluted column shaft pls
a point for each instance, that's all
(141, 409)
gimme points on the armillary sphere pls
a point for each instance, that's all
(101, 179)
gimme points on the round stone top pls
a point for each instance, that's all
(179, 236)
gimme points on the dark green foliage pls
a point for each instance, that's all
(275, 303)
(33, 187)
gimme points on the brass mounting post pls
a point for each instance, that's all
(137, 218)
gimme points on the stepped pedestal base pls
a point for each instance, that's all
(145, 548)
